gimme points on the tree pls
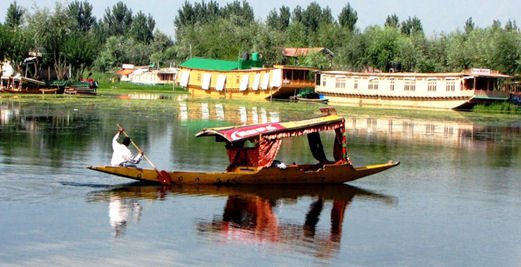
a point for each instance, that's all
(112, 54)
(412, 26)
(348, 17)
(383, 47)
(392, 21)
(79, 51)
(269, 44)
(314, 16)
(49, 32)
(239, 13)
(507, 52)
(163, 49)
(297, 16)
(457, 57)
(118, 20)
(142, 28)
(81, 14)
(469, 25)
(279, 20)
(14, 16)
(354, 54)
(317, 60)
(511, 26)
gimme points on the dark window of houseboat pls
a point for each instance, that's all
(468, 84)
(355, 83)
(391, 84)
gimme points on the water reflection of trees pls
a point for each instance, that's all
(250, 212)
(54, 132)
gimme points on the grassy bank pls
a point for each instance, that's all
(502, 107)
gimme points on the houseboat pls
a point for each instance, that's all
(457, 90)
(243, 79)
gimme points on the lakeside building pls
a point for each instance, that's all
(243, 79)
(146, 74)
(457, 90)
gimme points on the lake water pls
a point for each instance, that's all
(454, 201)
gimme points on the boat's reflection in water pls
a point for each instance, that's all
(253, 214)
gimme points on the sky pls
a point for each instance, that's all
(441, 16)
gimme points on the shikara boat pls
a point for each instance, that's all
(252, 150)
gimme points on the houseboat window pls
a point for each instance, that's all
(237, 79)
(450, 85)
(323, 79)
(391, 84)
(355, 83)
(410, 85)
(468, 83)
(340, 82)
(199, 77)
(431, 85)
(373, 84)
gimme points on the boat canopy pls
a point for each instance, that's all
(257, 145)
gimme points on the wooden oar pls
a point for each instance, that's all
(162, 176)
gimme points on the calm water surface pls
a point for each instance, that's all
(454, 201)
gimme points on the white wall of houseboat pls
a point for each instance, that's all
(364, 84)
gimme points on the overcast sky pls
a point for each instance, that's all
(436, 16)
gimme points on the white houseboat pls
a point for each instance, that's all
(457, 90)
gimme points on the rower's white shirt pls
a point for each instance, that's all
(121, 152)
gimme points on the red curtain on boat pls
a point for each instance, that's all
(262, 155)
(268, 151)
(339, 148)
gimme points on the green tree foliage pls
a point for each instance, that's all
(69, 37)
(142, 28)
(50, 31)
(383, 47)
(81, 15)
(279, 20)
(118, 20)
(348, 17)
(112, 54)
(79, 51)
(14, 15)
(239, 13)
(469, 25)
(412, 26)
(392, 21)
(14, 45)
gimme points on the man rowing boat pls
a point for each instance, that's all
(122, 155)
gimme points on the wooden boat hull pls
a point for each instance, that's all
(293, 174)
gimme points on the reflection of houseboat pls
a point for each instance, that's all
(242, 79)
(425, 90)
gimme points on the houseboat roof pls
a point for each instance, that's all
(466, 73)
(219, 64)
(210, 64)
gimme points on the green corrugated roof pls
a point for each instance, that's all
(210, 64)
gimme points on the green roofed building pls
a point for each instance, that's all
(221, 65)
(246, 78)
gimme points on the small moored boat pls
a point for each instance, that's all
(252, 150)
